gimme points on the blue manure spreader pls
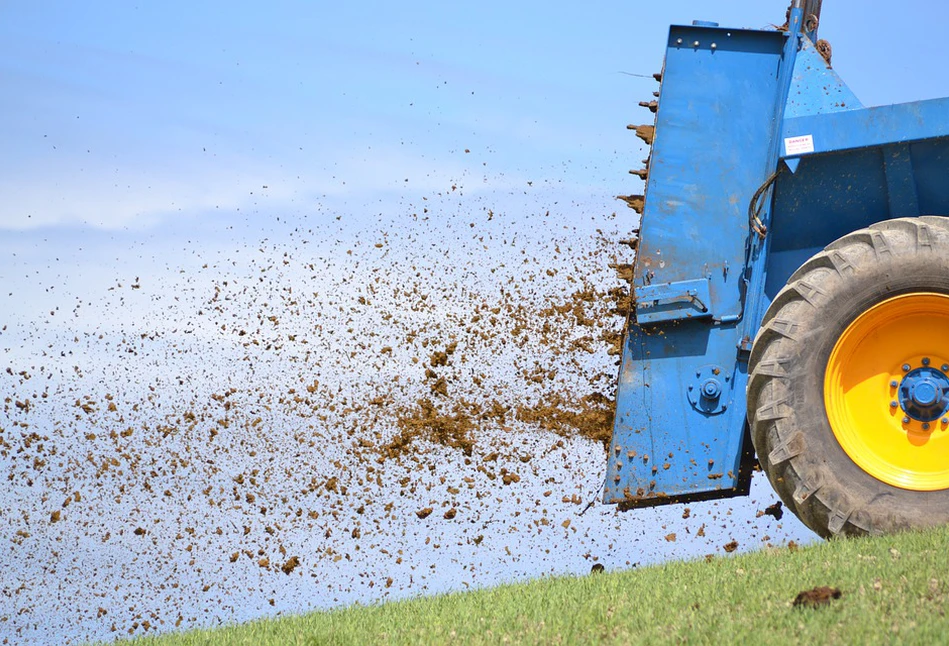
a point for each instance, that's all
(790, 291)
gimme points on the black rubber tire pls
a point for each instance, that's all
(793, 439)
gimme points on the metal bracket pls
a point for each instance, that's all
(685, 299)
(709, 392)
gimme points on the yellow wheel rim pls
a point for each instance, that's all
(886, 391)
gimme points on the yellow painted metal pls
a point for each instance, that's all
(866, 359)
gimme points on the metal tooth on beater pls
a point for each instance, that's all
(644, 132)
(653, 106)
(635, 202)
(658, 76)
(642, 173)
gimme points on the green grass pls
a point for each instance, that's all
(895, 589)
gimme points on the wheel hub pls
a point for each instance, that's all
(924, 394)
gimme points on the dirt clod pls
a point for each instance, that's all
(775, 510)
(816, 597)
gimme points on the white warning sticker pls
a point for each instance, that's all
(799, 145)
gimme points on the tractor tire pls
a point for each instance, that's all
(848, 389)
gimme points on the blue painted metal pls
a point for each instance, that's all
(924, 394)
(735, 107)
(870, 127)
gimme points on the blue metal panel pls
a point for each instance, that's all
(662, 445)
(721, 99)
(705, 162)
(815, 86)
(871, 127)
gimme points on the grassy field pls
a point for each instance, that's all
(894, 590)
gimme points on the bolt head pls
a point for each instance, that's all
(678, 41)
(906, 420)
(945, 367)
(925, 361)
(695, 44)
(714, 46)
(906, 367)
(925, 426)
(894, 383)
(893, 404)
(945, 420)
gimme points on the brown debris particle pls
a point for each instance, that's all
(817, 597)
(591, 416)
(426, 422)
(424, 513)
(730, 547)
(775, 510)
(290, 564)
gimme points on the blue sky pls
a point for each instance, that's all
(129, 115)
(217, 197)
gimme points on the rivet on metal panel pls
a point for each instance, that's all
(696, 44)
(714, 46)
(678, 41)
